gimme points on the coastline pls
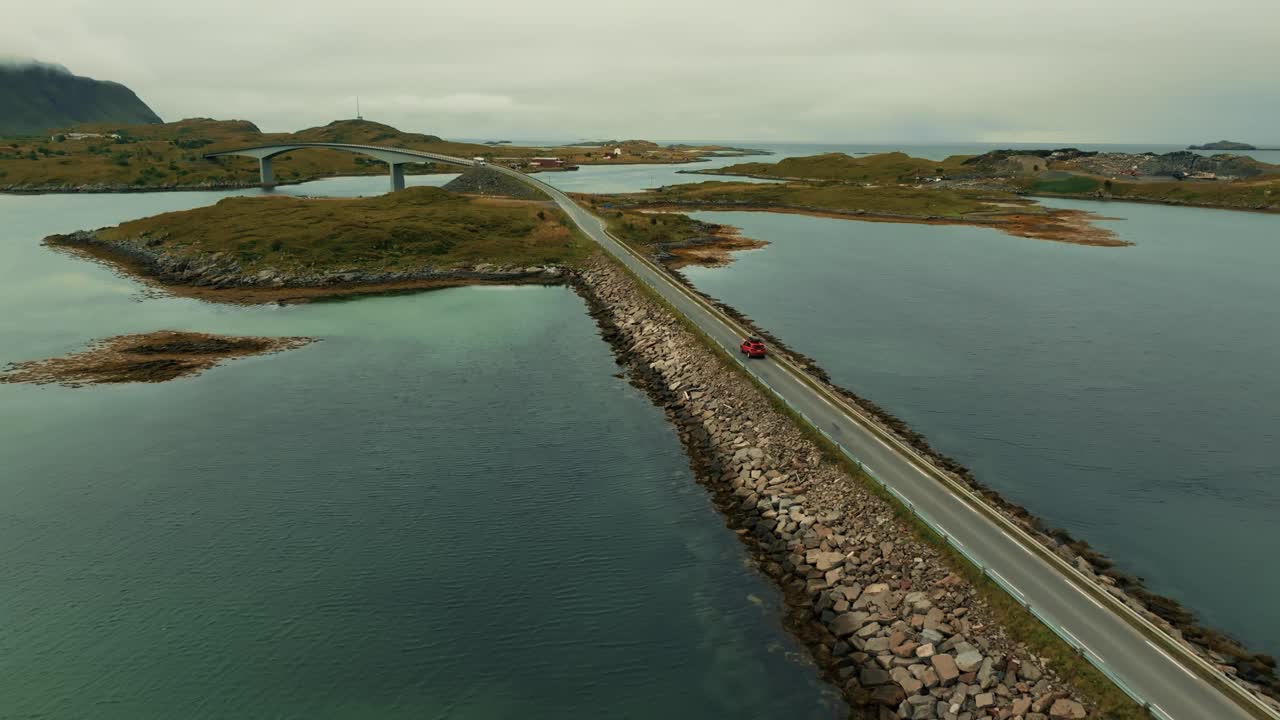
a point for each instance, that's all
(1269, 210)
(1068, 226)
(223, 282)
(108, 189)
(1228, 654)
(885, 616)
(153, 357)
(1026, 193)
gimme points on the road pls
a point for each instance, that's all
(1173, 683)
(1169, 687)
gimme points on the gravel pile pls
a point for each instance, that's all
(482, 180)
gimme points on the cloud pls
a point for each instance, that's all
(841, 70)
(456, 103)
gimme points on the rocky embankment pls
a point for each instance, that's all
(886, 617)
(483, 180)
(222, 277)
(1254, 672)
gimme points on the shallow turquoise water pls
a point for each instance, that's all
(1128, 395)
(448, 507)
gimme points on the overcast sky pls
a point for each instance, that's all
(1173, 71)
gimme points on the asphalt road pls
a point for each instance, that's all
(1174, 689)
(1169, 687)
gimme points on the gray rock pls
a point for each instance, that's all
(969, 660)
(848, 623)
(1068, 709)
(946, 668)
(873, 676)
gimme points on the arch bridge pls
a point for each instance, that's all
(395, 158)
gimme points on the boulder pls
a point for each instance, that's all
(848, 623)
(873, 676)
(888, 696)
(903, 677)
(969, 660)
(1069, 709)
(946, 668)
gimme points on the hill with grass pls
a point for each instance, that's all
(885, 200)
(415, 228)
(172, 155)
(881, 167)
(37, 98)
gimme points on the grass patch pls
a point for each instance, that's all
(881, 167)
(837, 197)
(1070, 185)
(421, 226)
(648, 231)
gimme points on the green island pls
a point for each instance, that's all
(885, 201)
(102, 157)
(1180, 178)
(284, 249)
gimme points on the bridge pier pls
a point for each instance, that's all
(268, 175)
(397, 176)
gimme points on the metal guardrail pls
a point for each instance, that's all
(1240, 695)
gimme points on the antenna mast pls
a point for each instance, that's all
(358, 115)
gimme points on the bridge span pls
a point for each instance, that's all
(395, 158)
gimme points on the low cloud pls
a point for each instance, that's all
(873, 71)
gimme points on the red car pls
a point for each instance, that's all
(753, 348)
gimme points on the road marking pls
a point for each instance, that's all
(1169, 657)
(1013, 540)
(1160, 710)
(1011, 586)
(1087, 596)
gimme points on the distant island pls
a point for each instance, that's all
(1226, 145)
(36, 98)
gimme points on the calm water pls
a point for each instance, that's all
(1126, 394)
(447, 508)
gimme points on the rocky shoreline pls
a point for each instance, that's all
(222, 279)
(149, 357)
(1056, 225)
(1253, 671)
(884, 615)
(110, 188)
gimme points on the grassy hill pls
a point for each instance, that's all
(36, 98)
(882, 167)
(1259, 194)
(171, 155)
(839, 197)
(418, 227)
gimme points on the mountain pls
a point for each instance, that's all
(38, 97)
(1223, 145)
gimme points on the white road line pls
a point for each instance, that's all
(1013, 588)
(1160, 710)
(1012, 539)
(1169, 657)
(1071, 637)
(1087, 596)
